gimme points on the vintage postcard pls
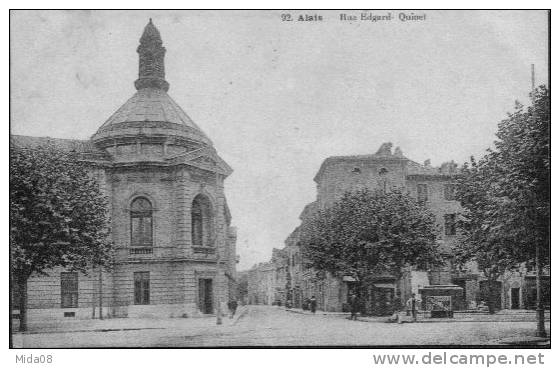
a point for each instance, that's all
(280, 178)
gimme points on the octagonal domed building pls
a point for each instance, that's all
(175, 248)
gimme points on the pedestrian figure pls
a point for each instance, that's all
(353, 307)
(313, 304)
(411, 307)
(232, 306)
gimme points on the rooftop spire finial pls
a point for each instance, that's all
(151, 73)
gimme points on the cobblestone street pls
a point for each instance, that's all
(274, 326)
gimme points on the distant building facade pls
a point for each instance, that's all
(435, 187)
(267, 280)
(171, 225)
(261, 284)
(242, 287)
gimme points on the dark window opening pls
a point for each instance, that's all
(201, 222)
(141, 223)
(450, 228)
(141, 288)
(196, 218)
(515, 300)
(205, 296)
(422, 190)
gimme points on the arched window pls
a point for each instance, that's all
(201, 221)
(383, 175)
(141, 234)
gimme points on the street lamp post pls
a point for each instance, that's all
(541, 332)
(217, 297)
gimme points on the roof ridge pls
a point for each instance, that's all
(66, 144)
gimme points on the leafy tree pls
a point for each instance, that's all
(58, 217)
(506, 194)
(479, 240)
(367, 233)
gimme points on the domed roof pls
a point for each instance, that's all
(151, 110)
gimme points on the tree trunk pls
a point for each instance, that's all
(361, 291)
(541, 332)
(491, 297)
(100, 293)
(12, 284)
(491, 279)
(22, 285)
(93, 293)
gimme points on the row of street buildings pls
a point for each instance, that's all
(285, 279)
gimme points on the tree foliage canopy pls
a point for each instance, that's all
(506, 194)
(366, 233)
(58, 215)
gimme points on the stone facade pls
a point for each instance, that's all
(176, 255)
(384, 170)
(267, 280)
(261, 284)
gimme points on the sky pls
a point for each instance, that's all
(277, 98)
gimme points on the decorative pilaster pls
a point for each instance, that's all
(181, 205)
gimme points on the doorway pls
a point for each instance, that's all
(491, 293)
(382, 301)
(205, 296)
(463, 284)
(514, 298)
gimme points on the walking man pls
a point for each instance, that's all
(313, 304)
(232, 306)
(353, 307)
(411, 308)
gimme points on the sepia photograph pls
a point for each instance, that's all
(279, 179)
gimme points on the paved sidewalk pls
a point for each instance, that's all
(501, 316)
(126, 324)
(318, 312)
(525, 341)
